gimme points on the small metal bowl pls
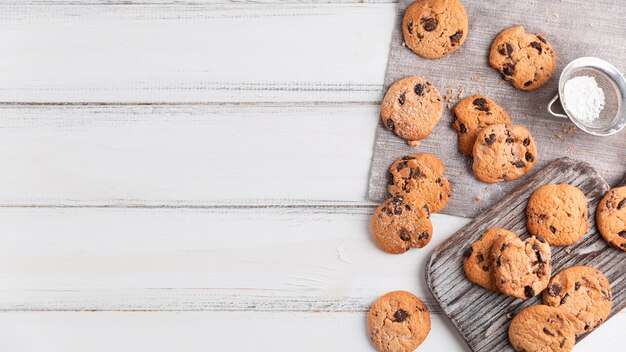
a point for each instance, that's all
(613, 117)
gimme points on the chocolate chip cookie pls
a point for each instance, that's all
(525, 60)
(584, 292)
(503, 153)
(411, 109)
(400, 223)
(478, 263)
(611, 217)
(422, 175)
(542, 328)
(434, 28)
(558, 213)
(398, 322)
(521, 268)
(473, 114)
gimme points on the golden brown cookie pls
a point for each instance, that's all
(434, 28)
(521, 268)
(525, 60)
(542, 329)
(421, 174)
(611, 217)
(398, 322)
(478, 263)
(473, 114)
(584, 292)
(411, 109)
(558, 213)
(400, 223)
(503, 153)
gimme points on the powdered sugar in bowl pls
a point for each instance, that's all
(592, 92)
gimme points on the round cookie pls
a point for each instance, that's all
(525, 60)
(558, 213)
(582, 291)
(421, 175)
(402, 222)
(411, 109)
(473, 114)
(611, 217)
(521, 268)
(541, 328)
(434, 28)
(503, 153)
(477, 261)
(398, 322)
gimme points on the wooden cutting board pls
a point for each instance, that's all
(482, 317)
(575, 28)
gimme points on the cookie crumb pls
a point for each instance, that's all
(477, 198)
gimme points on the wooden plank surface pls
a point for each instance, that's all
(481, 316)
(575, 28)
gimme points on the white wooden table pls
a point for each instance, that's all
(191, 176)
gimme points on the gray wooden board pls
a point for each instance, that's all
(575, 28)
(481, 315)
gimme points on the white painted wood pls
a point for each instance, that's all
(201, 155)
(194, 53)
(285, 259)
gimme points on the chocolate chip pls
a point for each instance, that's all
(481, 104)
(409, 27)
(407, 157)
(534, 246)
(402, 99)
(528, 83)
(529, 292)
(536, 46)
(519, 164)
(468, 252)
(480, 257)
(587, 327)
(416, 173)
(562, 342)
(427, 209)
(529, 157)
(429, 24)
(401, 166)
(485, 268)
(400, 316)
(499, 261)
(564, 299)
(552, 229)
(606, 295)
(490, 139)
(422, 236)
(407, 207)
(554, 290)
(621, 204)
(510, 140)
(546, 331)
(539, 258)
(404, 235)
(576, 285)
(397, 200)
(542, 39)
(505, 49)
(508, 70)
(419, 89)
(526, 142)
(390, 124)
(504, 245)
(463, 128)
(455, 39)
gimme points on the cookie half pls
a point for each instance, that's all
(473, 114)
(584, 292)
(401, 223)
(611, 217)
(398, 322)
(542, 328)
(477, 261)
(503, 153)
(525, 60)
(558, 213)
(422, 176)
(435, 28)
(411, 109)
(521, 268)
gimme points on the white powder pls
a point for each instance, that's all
(583, 98)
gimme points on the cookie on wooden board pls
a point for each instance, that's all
(398, 322)
(542, 328)
(558, 213)
(611, 217)
(525, 60)
(401, 223)
(411, 109)
(473, 114)
(477, 261)
(422, 176)
(435, 28)
(521, 268)
(584, 292)
(503, 153)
